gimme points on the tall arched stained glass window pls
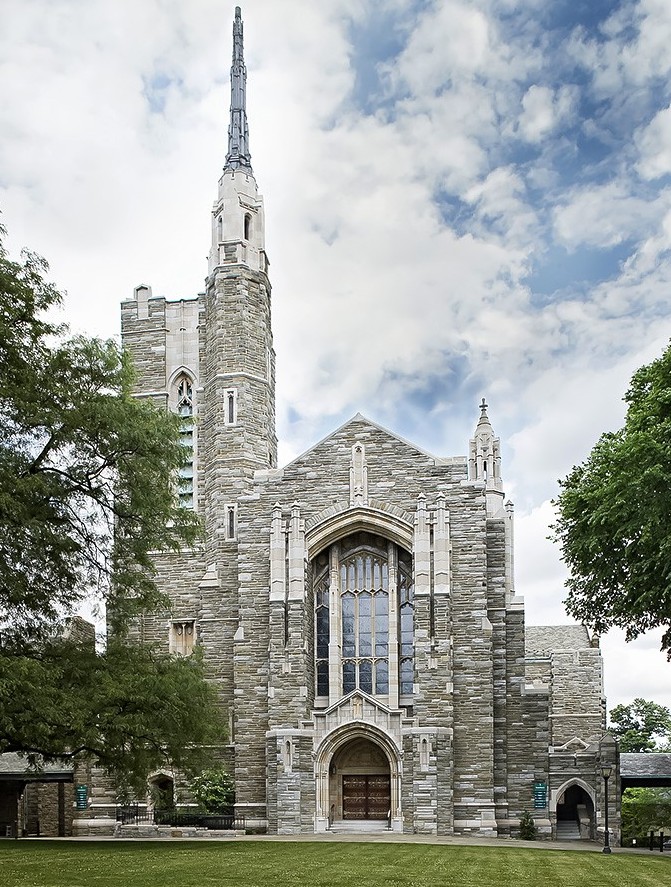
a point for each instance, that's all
(364, 600)
(184, 388)
(322, 632)
(406, 616)
(358, 631)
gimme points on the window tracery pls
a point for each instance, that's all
(182, 637)
(373, 579)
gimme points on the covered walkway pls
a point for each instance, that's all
(649, 770)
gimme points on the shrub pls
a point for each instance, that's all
(214, 790)
(527, 827)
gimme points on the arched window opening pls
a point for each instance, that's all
(231, 407)
(406, 664)
(186, 432)
(247, 226)
(369, 607)
(322, 627)
(231, 522)
(364, 600)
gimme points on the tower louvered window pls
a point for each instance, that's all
(186, 431)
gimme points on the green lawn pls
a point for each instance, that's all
(283, 864)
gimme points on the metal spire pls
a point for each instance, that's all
(484, 418)
(238, 156)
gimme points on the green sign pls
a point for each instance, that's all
(540, 795)
(81, 796)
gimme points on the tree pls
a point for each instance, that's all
(641, 726)
(86, 469)
(86, 495)
(614, 514)
(129, 708)
(645, 810)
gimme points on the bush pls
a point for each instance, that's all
(527, 827)
(214, 790)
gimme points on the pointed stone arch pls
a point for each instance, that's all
(335, 743)
(557, 793)
(341, 520)
(181, 371)
(161, 791)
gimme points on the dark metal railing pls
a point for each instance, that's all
(136, 814)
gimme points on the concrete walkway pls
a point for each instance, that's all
(386, 837)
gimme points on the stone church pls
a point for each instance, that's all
(356, 608)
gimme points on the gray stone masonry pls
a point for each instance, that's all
(477, 735)
(461, 661)
(487, 710)
(566, 659)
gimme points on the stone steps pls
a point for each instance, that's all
(568, 831)
(359, 826)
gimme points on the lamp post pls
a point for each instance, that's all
(606, 771)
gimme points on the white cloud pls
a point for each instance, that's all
(543, 110)
(654, 144)
(399, 238)
(602, 216)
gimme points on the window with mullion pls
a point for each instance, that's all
(406, 663)
(322, 633)
(365, 623)
(361, 623)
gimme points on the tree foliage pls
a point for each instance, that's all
(129, 708)
(528, 831)
(614, 514)
(641, 726)
(86, 469)
(86, 496)
(645, 810)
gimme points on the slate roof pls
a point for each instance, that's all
(15, 766)
(550, 638)
(651, 765)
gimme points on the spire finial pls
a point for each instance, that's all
(238, 156)
(483, 413)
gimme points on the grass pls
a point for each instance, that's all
(292, 864)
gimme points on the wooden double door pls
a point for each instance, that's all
(366, 797)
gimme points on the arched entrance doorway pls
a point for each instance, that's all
(162, 793)
(357, 770)
(360, 782)
(575, 813)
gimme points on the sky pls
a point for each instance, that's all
(464, 199)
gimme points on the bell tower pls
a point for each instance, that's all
(236, 346)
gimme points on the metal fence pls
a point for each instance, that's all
(139, 815)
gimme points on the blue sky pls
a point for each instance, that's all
(464, 198)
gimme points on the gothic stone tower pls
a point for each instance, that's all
(356, 608)
(211, 359)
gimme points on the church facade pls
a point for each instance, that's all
(356, 608)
